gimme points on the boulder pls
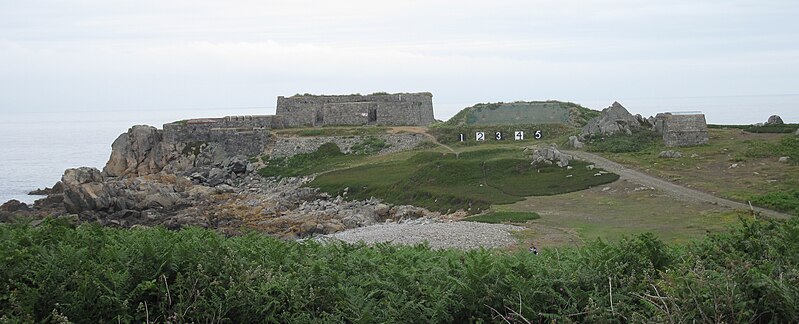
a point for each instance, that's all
(785, 159)
(84, 190)
(670, 154)
(549, 156)
(796, 132)
(614, 119)
(56, 189)
(574, 142)
(135, 153)
(774, 120)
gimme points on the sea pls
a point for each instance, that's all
(36, 147)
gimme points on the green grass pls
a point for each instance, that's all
(503, 217)
(623, 143)
(787, 201)
(775, 129)
(787, 146)
(58, 273)
(327, 157)
(474, 181)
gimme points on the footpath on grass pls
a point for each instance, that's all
(666, 186)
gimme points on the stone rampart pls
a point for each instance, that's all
(682, 129)
(286, 147)
(397, 109)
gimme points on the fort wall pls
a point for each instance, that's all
(682, 129)
(397, 109)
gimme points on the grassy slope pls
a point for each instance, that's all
(473, 181)
(757, 170)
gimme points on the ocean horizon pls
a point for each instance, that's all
(38, 146)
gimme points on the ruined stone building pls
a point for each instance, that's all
(682, 129)
(399, 109)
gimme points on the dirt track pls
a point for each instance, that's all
(671, 188)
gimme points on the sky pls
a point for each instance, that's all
(100, 55)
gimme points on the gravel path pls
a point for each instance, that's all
(671, 188)
(458, 235)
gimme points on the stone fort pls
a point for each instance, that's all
(249, 135)
(682, 128)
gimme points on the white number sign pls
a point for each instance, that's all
(498, 136)
(518, 135)
(538, 135)
(462, 138)
(480, 136)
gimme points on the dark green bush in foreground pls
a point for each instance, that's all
(95, 274)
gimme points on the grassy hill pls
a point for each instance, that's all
(524, 112)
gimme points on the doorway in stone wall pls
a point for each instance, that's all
(372, 115)
(320, 118)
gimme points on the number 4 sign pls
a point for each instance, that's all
(518, 135)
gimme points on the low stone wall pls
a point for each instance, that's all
(285, 147)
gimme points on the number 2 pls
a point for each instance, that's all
(480, 136)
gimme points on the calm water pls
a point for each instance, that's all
(36, 148)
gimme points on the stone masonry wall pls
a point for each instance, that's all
(682, 130)
(286, 147)
(379, 109)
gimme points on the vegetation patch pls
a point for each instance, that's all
(622, 143)
(538, 112)
(775, 129)
(787, 146)
(369, 145)
(472, 181)
(787, 201)
(326, 157)
(56, 272)
(504, 217)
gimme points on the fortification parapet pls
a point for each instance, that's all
(396, 109)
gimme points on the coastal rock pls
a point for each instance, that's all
(137, 152)
(84, 190)
(774, 120)
(550, 155)
(56, 189)
(614, 119)
(670, 154)
(14, 205)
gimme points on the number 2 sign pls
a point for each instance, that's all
(480, 136)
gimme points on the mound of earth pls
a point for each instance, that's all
(524, 112)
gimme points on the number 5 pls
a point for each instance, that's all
(538, 134)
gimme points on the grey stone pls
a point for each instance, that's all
(137, 152)
(614, 119)
(14, 205)
(784, 159)
(376, 109)
(670, 154)
(549, 156)
(681, 130)
(774, 120)
(574, 142)
(796, 132)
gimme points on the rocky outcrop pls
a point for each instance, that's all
(614, 119)
(774, 120)
(137, 152)
(796, 132)
(549, 156)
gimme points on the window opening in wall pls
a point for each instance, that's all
(372, 115)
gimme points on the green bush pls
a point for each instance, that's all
(370, 145)
(93, 274)
(787, 146)
(787, 201)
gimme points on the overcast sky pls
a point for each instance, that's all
(101, 55)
